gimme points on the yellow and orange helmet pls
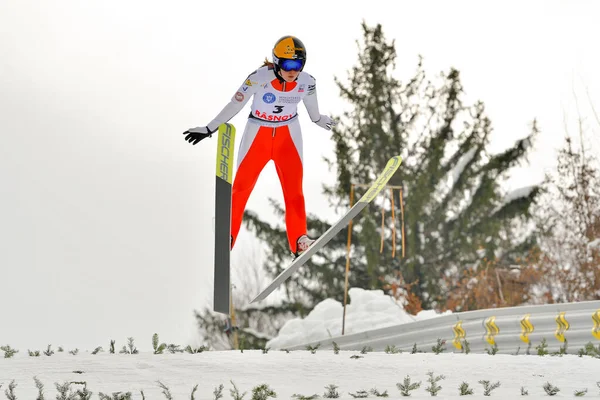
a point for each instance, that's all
(289, 54)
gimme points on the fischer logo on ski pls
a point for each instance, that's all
(224, 173)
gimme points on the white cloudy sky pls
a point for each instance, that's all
(102, 202)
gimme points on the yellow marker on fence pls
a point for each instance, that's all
(492, 330)
(526, 328)
(596, 329)
(459, 333)
(563, 326)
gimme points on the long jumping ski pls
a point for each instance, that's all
(222, 287)
(390, 168)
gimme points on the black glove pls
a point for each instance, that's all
(194, 135)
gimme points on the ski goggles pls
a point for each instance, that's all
(291, 65)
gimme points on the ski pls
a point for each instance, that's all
(222, 284)
(390, 168)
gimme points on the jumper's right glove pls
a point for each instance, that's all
(194, 135)
(325, 122)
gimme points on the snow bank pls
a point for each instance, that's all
(366, 310)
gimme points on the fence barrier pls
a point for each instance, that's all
(566, 327)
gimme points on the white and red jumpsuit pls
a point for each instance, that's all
(272, 133)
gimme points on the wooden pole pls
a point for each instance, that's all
(402, 210)
(393, 224)
(382, 225)
(347, 260)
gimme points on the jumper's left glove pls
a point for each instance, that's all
(194, 135)
(325, 122)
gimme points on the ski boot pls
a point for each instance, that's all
(302, 244)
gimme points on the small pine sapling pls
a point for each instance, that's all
(366, 349)
(35, 353)
(464, 389)
(493, 350)
(74, 352)
(218, 392)
(115, 396)
(40, 387)
(336, 348)
(377, 393)
(112, 347)
(158, 348)
(194, 390)
(64, 391)
(440, 347)
(407, 386)
(82, 394)
(414, 349)
(433, 387)
(524, 392)
(196, 350)
(580, 393)
(361, 394)
(8, 351)
(392, 349)
(165, 390)
(550, 389)
(488, 387)
(313, 349)
(562, 350)
(10, 392)
(589, 350)
(596, 350)
(130, 348)
(60, 349)
(49, 351)
(262, 392)
(302, 397)
(174, 348)
(235, 393)
(466, 346)
(331, 392)
(97, 350)
(542, 348)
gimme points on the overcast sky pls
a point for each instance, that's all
(102, 202)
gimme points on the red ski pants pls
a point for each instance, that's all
(259, 145)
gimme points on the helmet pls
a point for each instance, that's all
(289, 54)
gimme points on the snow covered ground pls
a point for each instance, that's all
(297, 373)
(301, 372)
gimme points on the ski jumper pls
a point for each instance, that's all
(272, 133)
